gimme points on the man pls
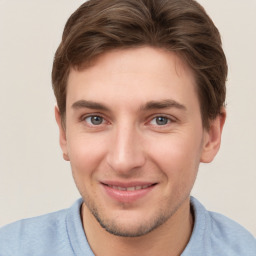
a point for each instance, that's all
(140, 89)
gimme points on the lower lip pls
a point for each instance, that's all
(124, 196)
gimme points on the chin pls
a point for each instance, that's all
(132, 225)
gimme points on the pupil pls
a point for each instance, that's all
(96, 120)
(161, 120)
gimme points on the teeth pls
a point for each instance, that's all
(130, 188)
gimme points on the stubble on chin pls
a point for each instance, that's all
(115, 227)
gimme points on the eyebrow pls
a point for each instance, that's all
(168, 103)
(163, 104)
(89, 104)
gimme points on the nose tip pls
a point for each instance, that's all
(125, 163)
(126, 154)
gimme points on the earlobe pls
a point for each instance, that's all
(212, 138)
(62, 134)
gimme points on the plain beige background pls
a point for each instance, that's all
(33, 177)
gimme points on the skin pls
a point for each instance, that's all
(133, 121)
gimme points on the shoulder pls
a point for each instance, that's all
(221, 235)
(28, 226)
(33, 236)
(231, 235)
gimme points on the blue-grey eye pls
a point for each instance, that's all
(94, 120)
(160, 120)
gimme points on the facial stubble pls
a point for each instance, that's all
(113, 227)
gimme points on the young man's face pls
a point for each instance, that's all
(134, 138)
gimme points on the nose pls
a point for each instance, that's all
(126, 153)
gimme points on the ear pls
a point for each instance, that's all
(62, 134)
(212, 138)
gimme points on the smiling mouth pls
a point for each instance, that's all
(130, 188)
(127, 193)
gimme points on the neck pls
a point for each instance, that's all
(169, 239)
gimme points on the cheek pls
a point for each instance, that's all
(179, 162)
(178, 155)
(85, 154)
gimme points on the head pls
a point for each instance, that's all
(140, 88)
(179, 26)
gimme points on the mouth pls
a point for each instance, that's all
(127, 192)
(129, 188)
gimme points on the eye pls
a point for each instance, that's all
(94, 120)
(160, 120)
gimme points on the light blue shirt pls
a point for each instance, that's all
(61, 234)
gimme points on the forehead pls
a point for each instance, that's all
(144, 73)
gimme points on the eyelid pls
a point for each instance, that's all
(83, 116)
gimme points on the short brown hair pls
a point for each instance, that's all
(181, 26)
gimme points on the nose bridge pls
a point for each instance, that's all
(126, 152)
